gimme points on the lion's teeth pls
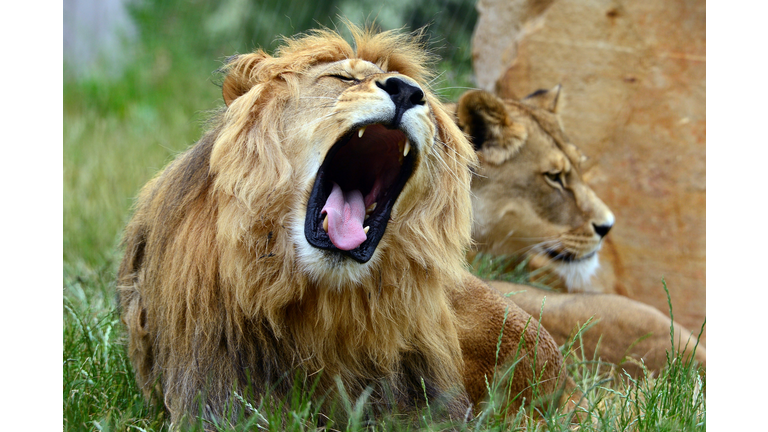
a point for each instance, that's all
(407, 148)
(325, 223)
(365, 230)
(370, 209)
(361, 132)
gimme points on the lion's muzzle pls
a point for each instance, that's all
(355, 190)
(362, 176)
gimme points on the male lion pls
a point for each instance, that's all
(529, 199)
(317, 234)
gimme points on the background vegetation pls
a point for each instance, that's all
(120, 130)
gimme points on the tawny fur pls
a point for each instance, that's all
(220, 292)
(621, 331)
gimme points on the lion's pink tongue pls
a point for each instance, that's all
(346, 212)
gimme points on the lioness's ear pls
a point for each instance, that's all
(239, 77)
(550, 100)
(484, 118)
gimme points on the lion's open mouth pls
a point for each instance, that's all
(355, 190)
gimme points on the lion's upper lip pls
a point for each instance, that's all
(374, 160)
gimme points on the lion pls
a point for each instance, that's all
(530, 200)
(316, 236)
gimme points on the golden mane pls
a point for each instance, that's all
(214, 287)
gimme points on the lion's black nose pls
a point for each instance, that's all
(404, 95)
(602, 230)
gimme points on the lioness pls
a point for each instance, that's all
(529, 199)
(528, 196)
(316, 234)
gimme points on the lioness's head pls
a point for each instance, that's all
(528, 195)
(354, 152)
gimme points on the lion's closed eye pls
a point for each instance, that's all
(343, 78)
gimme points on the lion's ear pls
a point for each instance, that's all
(484, 118)
(239, 75)
(550, 100)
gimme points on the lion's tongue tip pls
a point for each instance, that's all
(348, 241)
(345, 233)
(345, 212)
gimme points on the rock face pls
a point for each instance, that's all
(634, 78)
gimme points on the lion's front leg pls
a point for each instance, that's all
(509, 358)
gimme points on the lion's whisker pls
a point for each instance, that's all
(453, 150)
(455, 176)
(317, 97)
(459, 87)
(435, 79)
(318, 120)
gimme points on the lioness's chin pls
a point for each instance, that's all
(577, 275)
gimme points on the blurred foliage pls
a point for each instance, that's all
(196, 36)
(212, 29)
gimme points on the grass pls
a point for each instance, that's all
(100, 392)
(117, 135)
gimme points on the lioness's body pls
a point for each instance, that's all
(233, 281)
(530, 201)
(621, 331)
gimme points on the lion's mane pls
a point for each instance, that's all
(215, 291)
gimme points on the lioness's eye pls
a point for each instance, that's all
(555, 177)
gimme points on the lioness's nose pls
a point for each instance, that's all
(602, 230)
(403, 94)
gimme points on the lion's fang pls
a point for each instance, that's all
(407, 148)
(325, 223)
(365, 230)
(370, 209)
(361, 132)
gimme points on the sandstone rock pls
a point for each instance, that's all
(634, 77)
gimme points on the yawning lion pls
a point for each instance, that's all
(316, 234)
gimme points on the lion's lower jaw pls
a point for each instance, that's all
(328, 268)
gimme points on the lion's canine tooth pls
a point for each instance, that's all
(325, 223)
(407, 148)
(370, 209)
(361, 132)
(365, 230)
